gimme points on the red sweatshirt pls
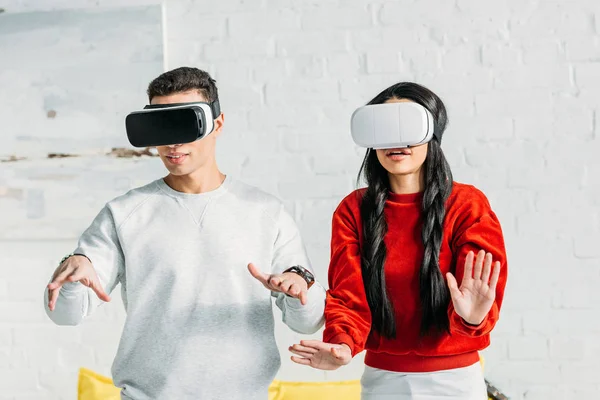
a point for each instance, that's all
(470, 224)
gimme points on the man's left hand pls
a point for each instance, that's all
(289, 283)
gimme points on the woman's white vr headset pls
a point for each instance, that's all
(392, 125)
(168, 124)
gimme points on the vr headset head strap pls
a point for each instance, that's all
(437, 132)
(215, 106)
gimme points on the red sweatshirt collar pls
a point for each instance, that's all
(406, 198)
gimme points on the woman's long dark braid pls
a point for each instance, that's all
(373, 247)
(434, 293)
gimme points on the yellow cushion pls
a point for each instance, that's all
(347, 390)
(93, 386)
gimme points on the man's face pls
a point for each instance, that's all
(184, 159)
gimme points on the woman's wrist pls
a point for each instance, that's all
(346, 346)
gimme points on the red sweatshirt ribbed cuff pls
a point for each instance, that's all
(342, 338)
(470, 330)
(468, 325)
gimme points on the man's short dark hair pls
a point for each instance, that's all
(181, 80)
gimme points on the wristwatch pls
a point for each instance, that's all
(65, 258)
(304, 274)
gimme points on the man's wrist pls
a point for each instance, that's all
(305, 274)
(65, 258)
(82, 255)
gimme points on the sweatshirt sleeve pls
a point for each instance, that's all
(100, 244)
(289, 251)
(479, 229)
(347, 312)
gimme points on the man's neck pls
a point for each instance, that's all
(201, 181)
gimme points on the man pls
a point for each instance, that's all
(198, 325)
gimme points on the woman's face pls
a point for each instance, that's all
(404, 161)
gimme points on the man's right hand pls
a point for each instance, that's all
(75, 269)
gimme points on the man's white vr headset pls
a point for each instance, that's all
(392, 125)
(168, 124)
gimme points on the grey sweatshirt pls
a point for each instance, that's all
(198, 325)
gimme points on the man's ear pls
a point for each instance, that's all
(219, 122)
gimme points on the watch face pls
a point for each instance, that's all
(310, 276)
(307, 274)
(304, 273)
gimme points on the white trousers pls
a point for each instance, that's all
(455, 384)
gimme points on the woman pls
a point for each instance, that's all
(392, 244)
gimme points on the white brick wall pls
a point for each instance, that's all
(521, 80)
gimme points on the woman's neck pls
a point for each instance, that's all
(200, 181)
(407, 183)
